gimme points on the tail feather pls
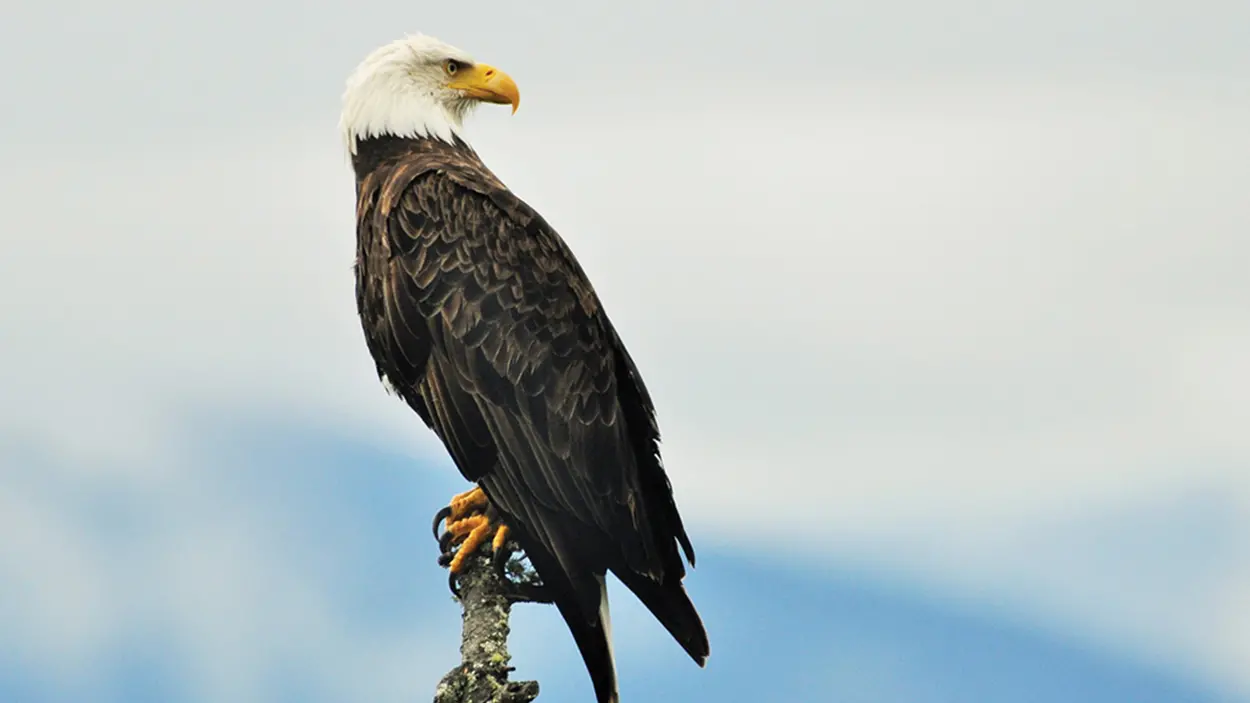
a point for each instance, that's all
(670, 604)
(593, 635)
(591, 627)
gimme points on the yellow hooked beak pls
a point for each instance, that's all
(488, 84)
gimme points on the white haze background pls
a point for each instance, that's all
(967, 289)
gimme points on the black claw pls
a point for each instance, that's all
(439, 517)
(444, 559)
(528, 593)
(453, 584)
(499, 560)
(444, 542)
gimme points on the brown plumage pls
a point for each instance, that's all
(480, 317)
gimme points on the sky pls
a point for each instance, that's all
(944, 312)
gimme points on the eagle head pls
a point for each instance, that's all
(417, 87)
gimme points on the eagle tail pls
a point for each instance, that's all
(669, 603)
(593, 634)
(583, 603)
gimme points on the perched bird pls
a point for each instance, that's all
(478, 316)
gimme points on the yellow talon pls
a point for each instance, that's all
(501, 537)
(461, 528)
(473, 530)
(466, 502)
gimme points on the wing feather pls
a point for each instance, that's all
(520, 354)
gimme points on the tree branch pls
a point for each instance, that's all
(486, 597)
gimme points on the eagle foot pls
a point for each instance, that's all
(469, 520)
(522, 582)
(527, 593)
(471, 524)
(460, 506)
(518, 583)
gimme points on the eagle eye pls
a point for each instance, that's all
(451, 66)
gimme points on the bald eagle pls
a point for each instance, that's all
(479, 317)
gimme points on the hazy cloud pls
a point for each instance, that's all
(947, 275)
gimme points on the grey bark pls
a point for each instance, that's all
(482, 676)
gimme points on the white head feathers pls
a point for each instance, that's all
(415, 87)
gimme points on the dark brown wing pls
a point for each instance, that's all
(522, 369)
(487, 325)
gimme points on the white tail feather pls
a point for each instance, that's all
(605, 617)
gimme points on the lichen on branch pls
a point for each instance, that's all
(486, 597)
